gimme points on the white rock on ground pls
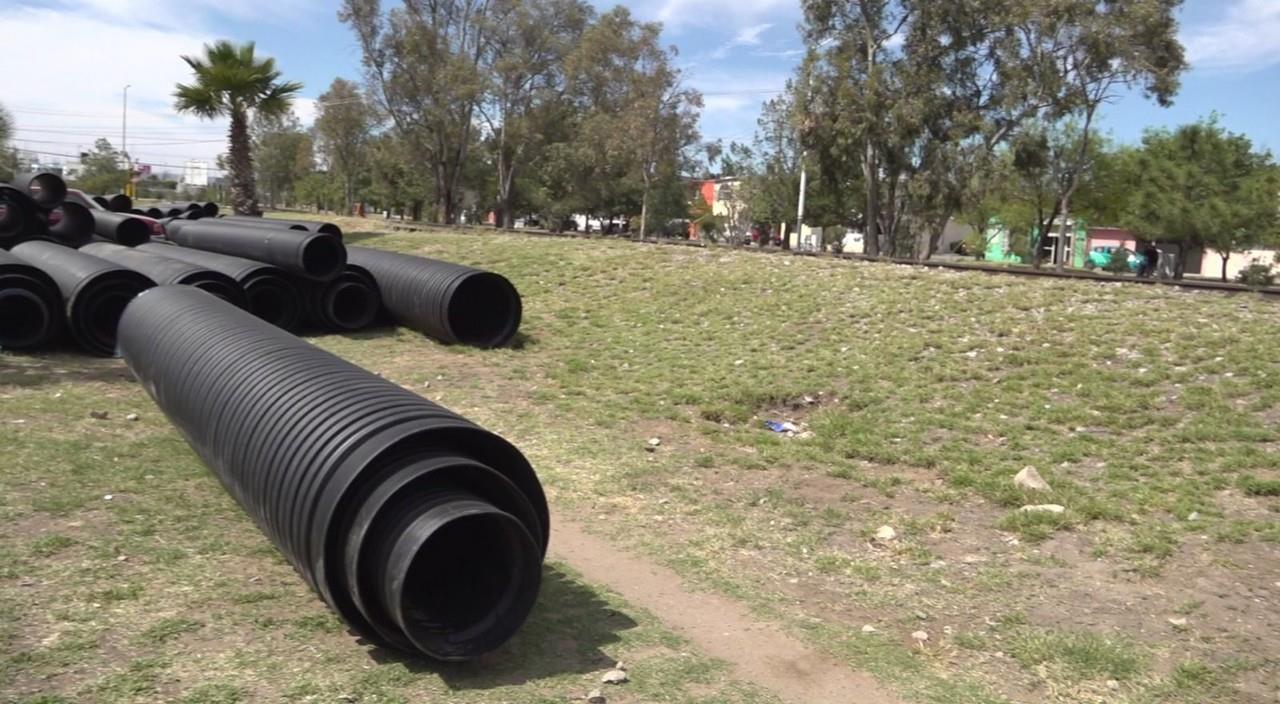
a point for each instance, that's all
(1029, 478)
(920, 636)
(885, 534)
(1044, 508)
(596, 697)
(614, 677)
(868, 628)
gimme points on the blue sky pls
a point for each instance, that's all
(735, 51)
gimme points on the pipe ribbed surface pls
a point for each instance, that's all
(348, 303)
(121, 228)
(422, 530)
(47, 189)
(450, 302)
(71, 224)
(95, 291)
(30, 305)
(272, 295)
(166, 271)
(309, 225)
(259, 223)
(312, 255)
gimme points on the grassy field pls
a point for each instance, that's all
(917, 395)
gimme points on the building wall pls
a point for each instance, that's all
(1211, 265)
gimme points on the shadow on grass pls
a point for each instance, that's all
(566, 634)
(62, 364)
(362, 237)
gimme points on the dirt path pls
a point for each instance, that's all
(759, 652)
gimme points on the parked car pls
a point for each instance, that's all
(80, 197)
(1100, 258)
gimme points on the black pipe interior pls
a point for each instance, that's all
(47, 190)
(322, 257)
(484, 311)
(25, 318)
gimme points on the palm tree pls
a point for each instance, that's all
(232, 82)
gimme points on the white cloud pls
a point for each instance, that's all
(675, 14)
(747, 36)
(72, 94)
(1247, 37)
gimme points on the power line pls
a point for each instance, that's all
(148, 163)
(141, 144)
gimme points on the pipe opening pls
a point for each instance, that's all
(133, 232)
(102, 316)
(219, 289)
(470, 585)
(24, 318)
(11, 220)
(484, 311)
(353, 305)
(273, 303)
(323, 257)
(47, 190)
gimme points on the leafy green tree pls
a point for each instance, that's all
(1203, 186)
(8, 157)
(231, 81)
(101, 171)
(344, 121)
(423, 60)
(285, 156)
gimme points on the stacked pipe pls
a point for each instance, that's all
(95, 291)
(164, 270)
(30, 305)
(272, 294)
(422, 530)
(33, 207)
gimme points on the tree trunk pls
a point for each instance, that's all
(1225, 256)
(644, 208)
(1060, 247)
(935, 236)
(243, 189)
(871, 240)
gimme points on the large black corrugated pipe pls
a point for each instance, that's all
(18, 215)
(164, 271)
(310, 225)
(210, 209)
(95, 291)
(348, 303)
(312, 255)
(272, 295)
(421, 529)
(100, 201)
(30, 305)
(260, 223)
(450, 302)
(48, 190)
(71, 224)
(120, 228)
(120, 203)
(154, 212)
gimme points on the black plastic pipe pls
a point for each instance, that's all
(210, 209)
(100, 201)
(18, 215)
(166, 271)
(313, 255)
(121, 228)
(71, 224)
(95, 291)
(309, 225)
(257, 223)
(422, 530)
(48, 190)
(272, 295)
(347, 303)
(154, 212)
(119, 203)
(30, 305)
(450, 302)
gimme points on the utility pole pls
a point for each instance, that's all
(804, 152)
(124, 145)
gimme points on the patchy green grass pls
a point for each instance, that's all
(1152, 414)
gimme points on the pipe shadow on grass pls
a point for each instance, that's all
(60, 364)
(566, 634)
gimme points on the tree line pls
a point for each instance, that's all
(910, 114)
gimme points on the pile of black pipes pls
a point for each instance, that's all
(32, 208)
(120, 228)
(423, 531)
(165, 271)
(452, 303)
(312, 255)
(95, 291)
(347, 303)
(309, 225)
(30, 305)
(120, 203)
(272, 294)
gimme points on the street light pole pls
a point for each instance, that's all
(124, 137)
